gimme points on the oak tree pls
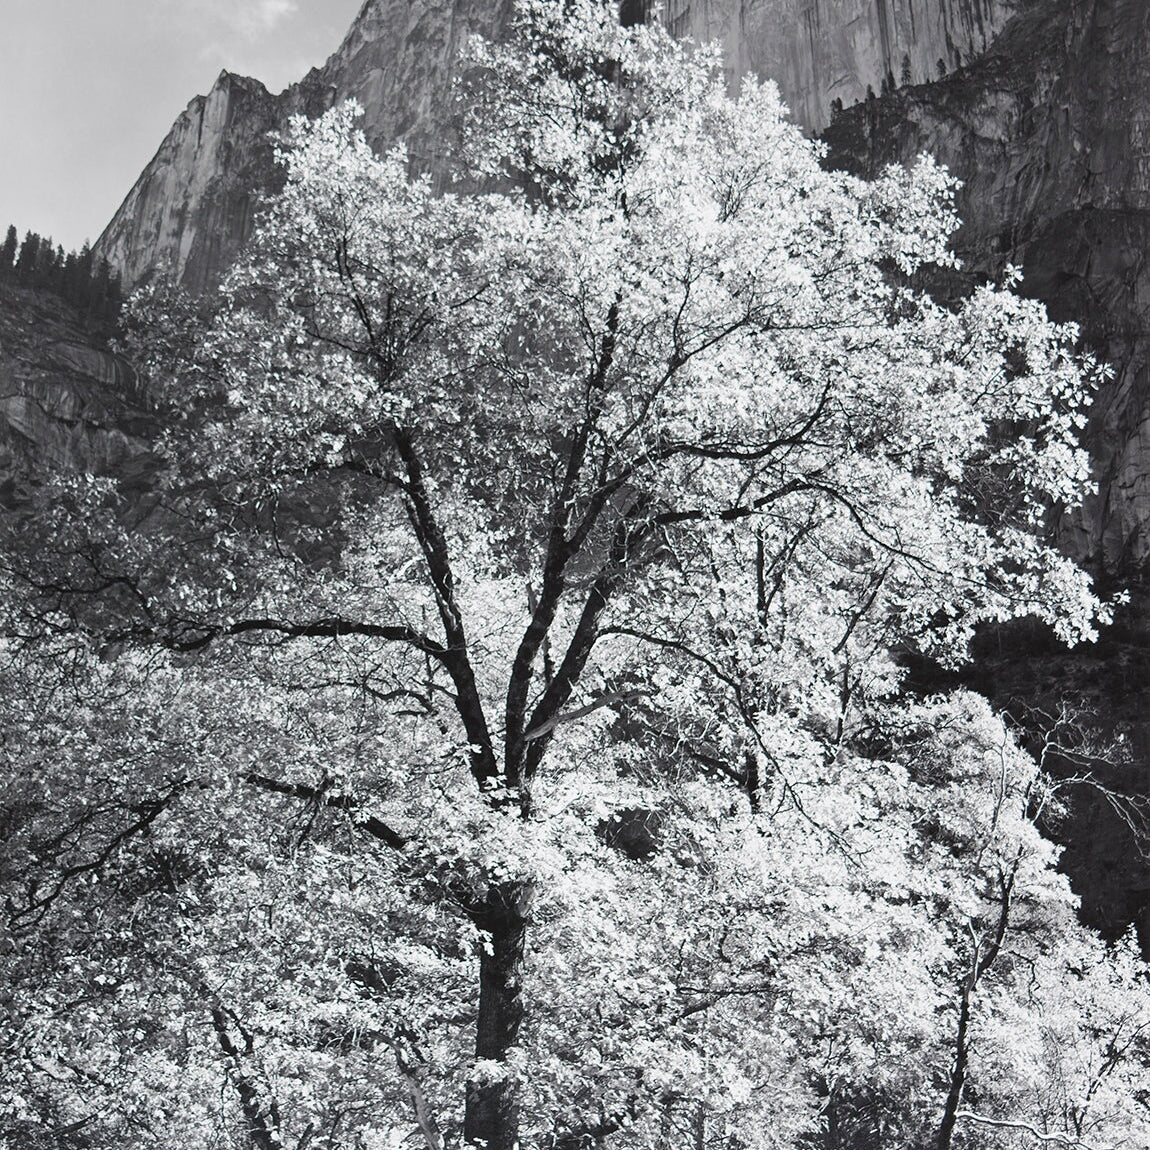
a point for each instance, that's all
(503, 653)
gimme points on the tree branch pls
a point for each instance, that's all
(372, 825)
(630, 532)
(454, 657)
(560, 549)
(1025, 1127)
(148, 811)
(259, 1106)
(330, 628)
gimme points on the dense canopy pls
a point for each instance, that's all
(486, 728)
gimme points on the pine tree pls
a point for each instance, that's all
(77, 273)
(69, 278)
(27, 259)
(56, 271)
(8, 253)
(97, 293)
(91, 286)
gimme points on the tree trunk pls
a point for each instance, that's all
(491, 1118)
(957, 1073)
(261, 1111)
(981, 962)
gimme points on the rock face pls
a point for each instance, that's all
(1042, 107)
(1050, 132)
(194, 204)
(64, 399)
(824, 52)
(192, 207)
(398, 61)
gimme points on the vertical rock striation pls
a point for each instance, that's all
(194, 204)
(65, 399)
(824, 52)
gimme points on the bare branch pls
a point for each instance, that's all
(1025, 1127)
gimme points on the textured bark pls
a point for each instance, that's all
(491, 1117)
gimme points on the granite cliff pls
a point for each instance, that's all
(192, 207)
(65, 398)
(194, 204)
(1041, 107)
(831, 52)
(1050, 132)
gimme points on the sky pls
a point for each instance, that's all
(89, 89)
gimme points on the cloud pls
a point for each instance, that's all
(268, 13)
(246, 19)
(275, 41)
(260, 16)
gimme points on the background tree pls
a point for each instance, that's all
(503, 654)
(8, 253)
(93, 289)
(28, 258)
(77, 283)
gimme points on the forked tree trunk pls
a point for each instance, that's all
(491, 1118)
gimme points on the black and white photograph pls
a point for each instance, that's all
(575, 575)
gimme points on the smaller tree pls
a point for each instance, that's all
(78, 278)
(8, 253)
(28, 259)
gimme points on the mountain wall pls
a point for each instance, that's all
(1050, 132)
(193, 205)
(65, 399)
(1042, 108)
